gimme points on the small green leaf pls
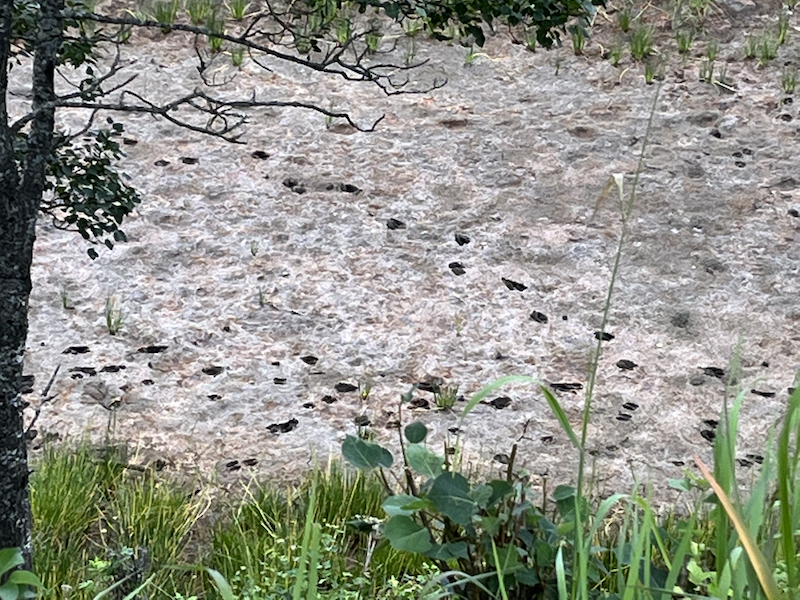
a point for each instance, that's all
(10, 558)
(365, 455)
(407, 535)
(92, 253)
(448, 551)
(399, 505)
(450, 495)
(423, 461)
(416, 432)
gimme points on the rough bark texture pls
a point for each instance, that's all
(19, 204)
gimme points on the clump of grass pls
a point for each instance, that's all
(615, 54)
(767, 49)
(578, 35)
(445, 397)
(712, 50)
(238, 9)
(707, 70)
(641, 42)
(653, 70)
(165, 12)
(113, 315)
(624, 19)
(215, 24)
(66, 301)
(199, 11)
(253, 248)
(684, 39)
(783, 27)
(789, 80)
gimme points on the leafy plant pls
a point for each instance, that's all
(707, 71)
(113, 315)
(578, 34)
(624, 19)
(215, 24)
(16, 583)
(491, 531)
(766, 49)
(615, 54)
(712, 50)
(199, 10)
(373, 37)
(445, 397)
(238, 8)
(66, 301)
(789, 80)
(684, 40)
(165, 12)
(641, 42)
(783, 27)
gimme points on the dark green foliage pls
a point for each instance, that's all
(547, 17)
(484, 530)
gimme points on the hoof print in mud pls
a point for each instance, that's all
(362, 421)
(763, 394)
(500, 402)
(152, 349)
(566, 387)
(329, 399)
(189, 160)
(309, 360)
(420, 403)
(394, 224)
(349, 188)
(626, 365)
(285, 427)
(213, 370)
(457, 268)
(76, 350)
(714, 372)
(513, 285)
(344, 388)
(709, 435)
(539, 317)
(603, 335)
(462, 239)
(279, 380)
(260, 155)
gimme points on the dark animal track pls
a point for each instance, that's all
(763, 394)
(188, 160)
(462, 239)
(539, 317)
(260, 155)
(213, 371)
(395, 224)
(152, 349)
(457, 268)
(566, 387)
(603, 335)
(513, 285)
(344, 388)
(309, 360)
(500, 403)
(626, 365)
(714, 372)
(282, 427)
(76, 350)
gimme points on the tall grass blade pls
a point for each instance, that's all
(300, 579)
(561, 575)
(759, 563)
(787, 471)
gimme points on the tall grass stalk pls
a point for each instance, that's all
(580, 555)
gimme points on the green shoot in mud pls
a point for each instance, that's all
(199, 11)
(165, 12)
(641, 42)
(238, 9)
(113, 315)
(789, 80)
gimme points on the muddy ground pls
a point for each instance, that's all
(264, 299)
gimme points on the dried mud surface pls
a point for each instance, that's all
(514, 153)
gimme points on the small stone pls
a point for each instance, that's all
(260, 155)
(188, 160)
(626, 365)
(395, 224)
(462, 239)
(344, 388)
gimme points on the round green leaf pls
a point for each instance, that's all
(405, 534)
(416, 432)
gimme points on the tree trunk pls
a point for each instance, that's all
(20, 198)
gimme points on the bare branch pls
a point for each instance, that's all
(45, 400)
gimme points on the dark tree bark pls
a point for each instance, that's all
(20, 197)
